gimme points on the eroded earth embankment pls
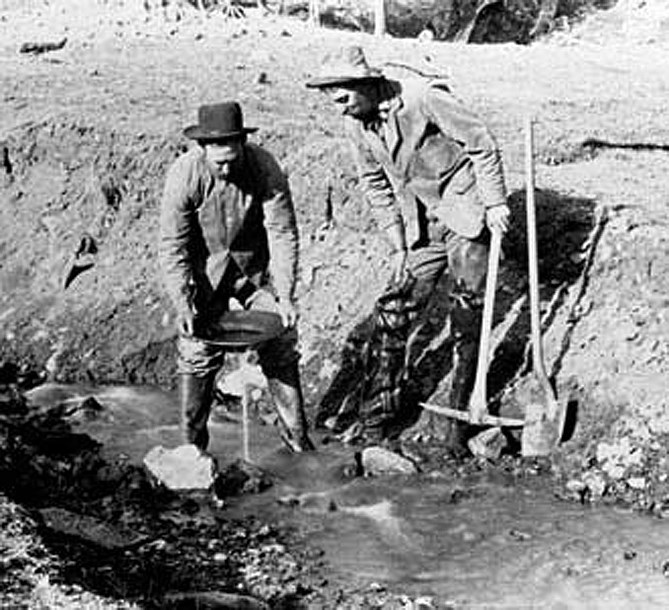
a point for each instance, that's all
(88, 132)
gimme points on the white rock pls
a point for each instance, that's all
(424, 603)
(615, 472)
(184, 467)
(380, 461)
(575, 486)
(488, 444)
(637, 482)
(596, 484)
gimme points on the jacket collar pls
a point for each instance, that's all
(388, 112)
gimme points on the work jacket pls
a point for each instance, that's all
(428, 157)
(212, 230)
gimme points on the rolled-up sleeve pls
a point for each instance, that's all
(176, 221)
(281, 226)
(459, 123)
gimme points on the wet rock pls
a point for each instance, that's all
(488, 444)
(184, 467)
(212, 600)
(377, 461)
(595, 484)
(240, 477)
(621, 454)
(637, 482)
(576, 489)
(89, 529)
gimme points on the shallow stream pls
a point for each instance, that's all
(484, 542)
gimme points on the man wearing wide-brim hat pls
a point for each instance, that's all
(432, 173)
(226, 206)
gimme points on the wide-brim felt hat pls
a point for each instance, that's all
(222, 121)
(349, 65)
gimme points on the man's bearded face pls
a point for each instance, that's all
(355, 100)
(224, 158)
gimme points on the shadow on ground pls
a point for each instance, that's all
(563, 226)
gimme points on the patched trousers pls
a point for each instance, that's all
(465, 260)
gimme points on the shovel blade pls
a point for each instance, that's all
(544, 421)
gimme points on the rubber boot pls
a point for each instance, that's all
(286, 392)
(463, 375)
(196, 396)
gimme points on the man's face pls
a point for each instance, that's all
(355, 100)
(224, 157)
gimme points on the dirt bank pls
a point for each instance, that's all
(90, 129)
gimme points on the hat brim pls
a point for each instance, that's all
(321, 82)
(195, 132)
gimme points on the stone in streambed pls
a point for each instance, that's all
(377, 461)
(184, 467)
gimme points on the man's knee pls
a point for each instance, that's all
(279, 353)
(198, 358)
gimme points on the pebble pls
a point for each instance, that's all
(637, 482)
(596, 484)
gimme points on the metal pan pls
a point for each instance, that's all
(243, 329)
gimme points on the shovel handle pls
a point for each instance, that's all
(532, 252)
(478, 403)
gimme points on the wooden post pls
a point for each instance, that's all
(380, 18)
(314, 13)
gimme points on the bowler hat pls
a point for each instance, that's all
(346, 66)
(222, 121)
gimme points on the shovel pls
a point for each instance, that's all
(477, 414)
(544, 415)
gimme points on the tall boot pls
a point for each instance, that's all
(286, 391)
(196, 396)
(463, 375)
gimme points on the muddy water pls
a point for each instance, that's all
(482, 542)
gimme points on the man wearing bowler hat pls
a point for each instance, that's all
(228, 230)
(431, 171)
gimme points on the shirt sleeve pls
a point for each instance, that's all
(281, 227)
(176, 221)
(459, 123)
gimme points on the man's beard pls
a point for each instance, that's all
(361, 116)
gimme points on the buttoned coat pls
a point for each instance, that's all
(430, 157)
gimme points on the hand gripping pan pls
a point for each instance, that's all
(243, 329)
